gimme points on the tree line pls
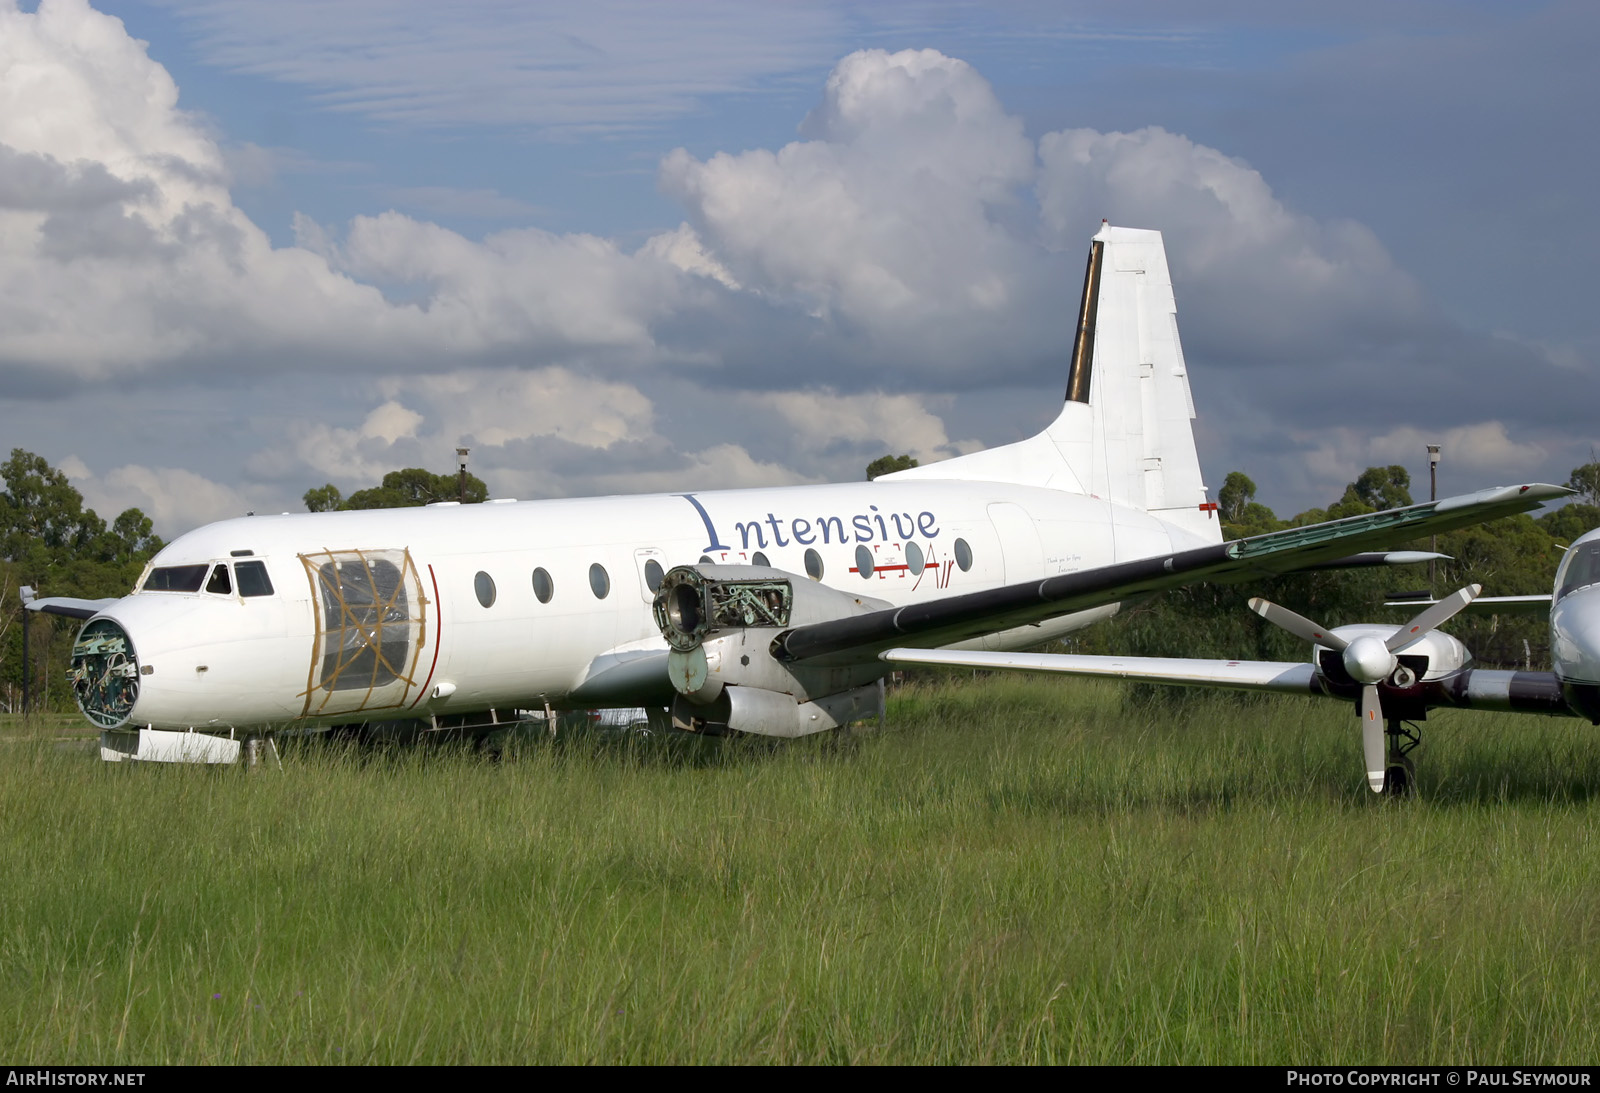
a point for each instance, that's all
(51, 540)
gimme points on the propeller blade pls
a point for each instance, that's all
(1373, 743)
(1298, 625)
(1431, 617)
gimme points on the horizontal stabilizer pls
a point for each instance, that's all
(63, 605)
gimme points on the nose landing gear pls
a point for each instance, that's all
(1400, 773)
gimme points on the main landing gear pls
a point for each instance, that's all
(1400, 773)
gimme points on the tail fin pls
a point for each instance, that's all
(1124, 433)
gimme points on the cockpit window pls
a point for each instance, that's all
(1581, 568)
(252, 578)
(220, 582)
(176, 578)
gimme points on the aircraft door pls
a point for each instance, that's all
(651, 565)
(371, 615)
(1019, 542)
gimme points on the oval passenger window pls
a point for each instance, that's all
(963, 555)
(599, 581)
(543, 586)
(759, 558)
(914, 559)
(652, 575)
(863, 561)
(483, 585)
(813, 564)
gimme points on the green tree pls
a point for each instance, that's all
(43, 523)
(414, 486)
(1238, 490)
(1242, 515)
(323, 498)
(1378, 488)
(888, 464)
(1570, 521)
(1384, 487)
(1514, 556)
(49, 540)
(1586, 480)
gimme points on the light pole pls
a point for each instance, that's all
(1433, 495)
(27, 679)
(461, 475)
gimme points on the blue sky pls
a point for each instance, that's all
(252, 247)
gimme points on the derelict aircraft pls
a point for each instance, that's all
(764, 611)
(1394, 674)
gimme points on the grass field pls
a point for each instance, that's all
(1014, 871)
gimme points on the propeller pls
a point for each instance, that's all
(1369, 659)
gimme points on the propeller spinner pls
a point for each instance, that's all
(1369, 660)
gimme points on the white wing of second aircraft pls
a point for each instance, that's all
(1487, 605)
(1392, 674)
(1247, 675)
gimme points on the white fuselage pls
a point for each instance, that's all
(1575, 624)
(450, 610)
(214, 660)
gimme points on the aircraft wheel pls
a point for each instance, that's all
(1399, 777)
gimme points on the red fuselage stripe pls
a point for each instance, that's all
(893, 568)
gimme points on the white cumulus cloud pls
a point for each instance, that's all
(856, 291)
(174, 498)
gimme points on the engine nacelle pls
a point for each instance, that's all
(769, 713)
(1431, 657)
(720, 622)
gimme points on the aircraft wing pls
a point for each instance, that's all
(1246, 675)
(959, 618)
(64, 605)
(1486, 605)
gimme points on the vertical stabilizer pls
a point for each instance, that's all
(1141, 452)
(1124, 432)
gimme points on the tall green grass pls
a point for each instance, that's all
(1013, 871)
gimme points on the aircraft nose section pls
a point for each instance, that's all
(1575, 637)
(105, 673)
